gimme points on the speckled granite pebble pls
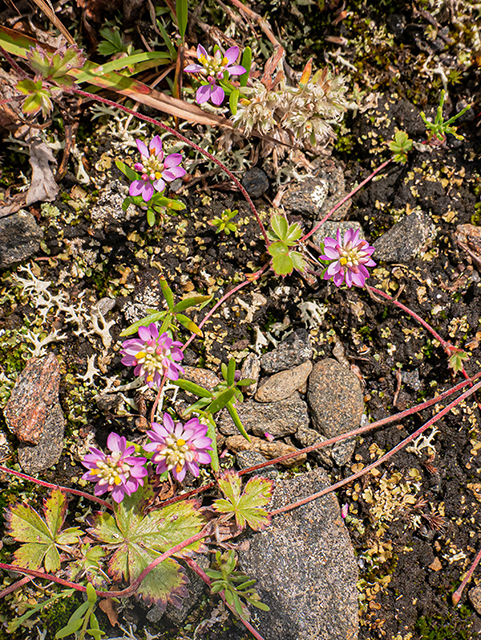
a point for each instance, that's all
(282, 385)
(304, 566)
(269, 450)
(20, 238)
(339, 453)
(475, 597)
(277, 418)
(47, 452)
(405, 239)
(251, 368)
(335, 398)
(329, 230)
(292, 351)
(203, 377)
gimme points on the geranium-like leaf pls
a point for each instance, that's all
(247, 507)
(41, 537)
(281, 230)
(456, 361)
(139, 539)
(89, 566)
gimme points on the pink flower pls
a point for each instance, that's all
(344, 510)
(213, 68)
(178, 447)
(153, 356)
(154, 169)
(118, 472)
(349, 258)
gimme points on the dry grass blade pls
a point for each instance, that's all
(50, 13)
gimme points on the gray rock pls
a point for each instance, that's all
(335, 398)
(277, 418)
(411, 379)
(329, 230)
(314, 197)
(305, 567)
(203, 377)
(251, 368)
(269, 450)
(246, 459)
(108, 208)
(292, 351)
(475, 597)
(47, 452)
(405, 239)
(255, 182)
(20, 238)
(282, 385)
(339, 453)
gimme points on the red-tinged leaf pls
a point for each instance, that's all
(306, 74)
(41, 537)
(139, 539)
(247, 507)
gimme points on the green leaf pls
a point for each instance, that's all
(233, 100)
(456, 361)
(41, 537)
(248, 506)
(167, 291)
(189, 324)
(182, 16)
(13, 625)
(230, 376)
(220, 401)
(279, 226)
(282, 262)
(191, 387)
(70, 629)
(91, 595)
(143, 322)
(214, 457)
(191, 302)
(246, 62)
(237, 421)
(126, 170)
(139, 539)
(150, 217)
(167, 40)
(298, 261)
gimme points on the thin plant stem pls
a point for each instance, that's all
(383, 458)
(252, 278)
(202, 574)
(456, 597)
(346, 198)
(13, 63)
(325, 443)
(175, 133)
(157, 399)
(128, 591)
(49, 485)
(16, 585)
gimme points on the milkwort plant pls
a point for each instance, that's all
(129, 542)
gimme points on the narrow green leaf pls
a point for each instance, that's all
(182, 16)
(126, 170)
(246, 62)
(189, 324)
(79, 613)
(214, 458)
(70, 629)
(167, 40)
(191, 302)
(230, 377)
(233, 101)
(143, 322)
(91, 595)
(220, 401)
(158, 57)
(167, 291)
(196, 389)
(150, 217)
(237, 421)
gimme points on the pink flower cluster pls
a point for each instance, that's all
(212, 68)
(349, 257)
(154, 169)
(153, 356)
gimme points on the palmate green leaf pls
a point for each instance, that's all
(247, 507)
(281, 230)
(285, 260)
(139, 539)
(41, 537)
(457, 359)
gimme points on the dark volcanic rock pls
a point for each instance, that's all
(292, 351)
(255, 182)
(405, 239)
(20, 238)
(335, 398)
(304, 566)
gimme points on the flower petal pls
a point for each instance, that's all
(203, 93)
(173, 160)
(156, 145)
(236, 70)
(217, 95)
(142, 148)
(232, 54)
(137, 187)
(201, 51)
(159, 185)
(193, 68)
(148, 191)
(172, 174)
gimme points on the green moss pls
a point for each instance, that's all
(455, 626)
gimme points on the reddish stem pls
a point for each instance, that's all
(202, 574)
(16, 585)
(154, 408)
(175, 133)
(49, 485)
(383, 458)
(345, 199)
(128, 591)
(459, 591)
